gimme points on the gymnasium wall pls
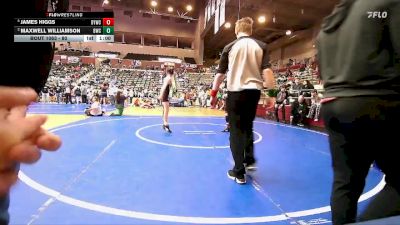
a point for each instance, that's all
(136, 23)
(299, 46)
(137, 49)
(198, 41)
(298, 50)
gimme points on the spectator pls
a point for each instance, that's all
(281, 80)
(52, 95)
(45, 94)
(201, 96)
(84, 91)
(299, 111)
(112, 93)
(147, 104)
(296, 87)
(136, 102)
(130, 94)
(307, 86)
(315, 106)
(282, 99)
(288, 73)
(58, 94)
(306, 91)
(68, 97)
(78, 95)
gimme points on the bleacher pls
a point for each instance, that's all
(197, 79)
(309, 74)
(150, 80)
(302, 72)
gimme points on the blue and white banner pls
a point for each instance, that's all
(212, 7)
(209, 11)
(216, 21)
(222, 13)
(205, 16)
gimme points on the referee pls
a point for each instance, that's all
(243, 60)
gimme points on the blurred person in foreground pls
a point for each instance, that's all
(21, 137)
(359, 55)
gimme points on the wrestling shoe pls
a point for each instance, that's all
(166, 128)
(240, 179)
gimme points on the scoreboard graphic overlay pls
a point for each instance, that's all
(66, 27)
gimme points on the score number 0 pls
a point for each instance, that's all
(108, 21)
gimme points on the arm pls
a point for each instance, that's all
(216, 84)
(21, 137)
(267, 73)
(286, 101)
(223, 67)
(219, 78)
(269, 79)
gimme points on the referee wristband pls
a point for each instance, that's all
(214, 93)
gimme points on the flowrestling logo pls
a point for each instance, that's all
(377, 15)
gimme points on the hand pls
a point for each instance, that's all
(42, 138)
(10, 97)
(20, 136)
(213, 102)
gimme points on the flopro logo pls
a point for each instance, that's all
(377, 15)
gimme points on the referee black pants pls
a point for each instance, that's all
(363, 130)
(241, 108)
